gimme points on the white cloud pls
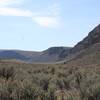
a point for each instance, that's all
(47, 21)
(9, 2)
(50, 20)
(6, 11)
(44, 21)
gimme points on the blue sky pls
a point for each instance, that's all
(38, 24)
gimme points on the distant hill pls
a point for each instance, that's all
(49, 55)
(88, 48)
(9, 54)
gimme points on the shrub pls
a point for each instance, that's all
(7, 72)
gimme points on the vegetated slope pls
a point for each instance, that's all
(49, 55)
(88, 56)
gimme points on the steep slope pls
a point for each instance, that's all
(88, 50)
(88, 56)
(65, 53)
(92, 39)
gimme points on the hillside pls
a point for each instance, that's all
(89, 56)
(92, 38)
(49, 55)
(88, 48)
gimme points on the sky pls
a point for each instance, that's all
(36, 25)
